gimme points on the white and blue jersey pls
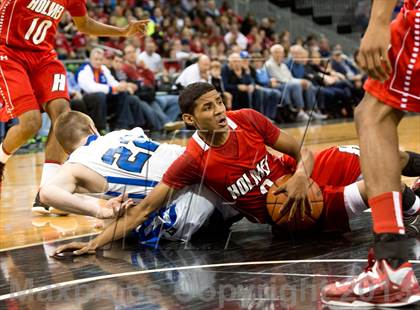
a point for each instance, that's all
(127, 159)
(134, 164)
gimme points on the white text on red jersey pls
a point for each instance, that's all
(47, 8)
(249, 179)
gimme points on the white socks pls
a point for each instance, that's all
(353, 201)
(48, 171)
(3, 155)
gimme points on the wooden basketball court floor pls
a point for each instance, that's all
(251, 271)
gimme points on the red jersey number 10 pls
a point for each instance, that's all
(38, 31)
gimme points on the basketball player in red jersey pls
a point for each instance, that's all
(31, 77)
(390, 56)
(228, 154)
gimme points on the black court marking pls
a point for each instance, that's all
(256, 272)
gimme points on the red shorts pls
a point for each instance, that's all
(335, 168)
(402, 89)
(28, 80)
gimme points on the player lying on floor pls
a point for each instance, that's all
(228, 154)
(124, 161)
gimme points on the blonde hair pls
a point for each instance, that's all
(70, 128)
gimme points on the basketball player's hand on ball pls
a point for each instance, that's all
(373, 53)
(74, 248)
(115, 207)
(297, 200)
(136, 27)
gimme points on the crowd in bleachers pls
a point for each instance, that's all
(136, 81)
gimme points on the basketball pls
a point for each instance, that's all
(275, 206)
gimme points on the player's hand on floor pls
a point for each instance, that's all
(373, 53)
(76, 248)
(296, 189)
(136, 27)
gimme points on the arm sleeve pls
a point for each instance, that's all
(262, 125)
(88, 84)
(109, 77)
(184, 171)
(77, 8)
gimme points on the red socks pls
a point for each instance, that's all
(387, 213)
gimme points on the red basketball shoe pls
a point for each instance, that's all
(378, 285)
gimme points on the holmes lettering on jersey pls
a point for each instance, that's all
(47, 7)
(249, 179)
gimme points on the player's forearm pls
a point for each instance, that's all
(381, 12)
(305, 163)
(122, 226)
(59, 198)
(92, 27)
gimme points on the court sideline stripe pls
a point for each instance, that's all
(47, 242)
(133, 273)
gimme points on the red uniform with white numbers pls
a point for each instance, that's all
(402, 90)
(30, 74)
(242, 170)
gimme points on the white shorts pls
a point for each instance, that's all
(187, 211)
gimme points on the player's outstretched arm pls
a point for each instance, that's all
(373, 54)
(119, 228)
(90, 26)
(60, 193)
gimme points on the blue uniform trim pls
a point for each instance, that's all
(130, 181)
(116, 194)
(90, 139)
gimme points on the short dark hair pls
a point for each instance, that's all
(191, 93)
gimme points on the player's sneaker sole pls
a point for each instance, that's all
(367, 305)
(39, 208)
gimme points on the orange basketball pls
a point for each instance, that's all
(275, 205)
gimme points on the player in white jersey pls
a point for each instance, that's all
(122, 163)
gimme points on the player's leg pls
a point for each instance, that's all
(49, 79)
(19, 102)
(393, 280)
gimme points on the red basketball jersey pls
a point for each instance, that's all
(411, 4)
(241, 170)
(31, 24)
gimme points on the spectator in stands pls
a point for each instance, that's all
(297, 66)
(272, 95)
(216, 80)
(164, 108)
(238, 83)
(324, 47)
(336, 89)
(179, 50)
(128, 111)
(157, 16)
(117, 17)
(236, 37)
(89, 104)
(342, 64)
(292, 89)
(117, 71)
(211, 9)
(149, 56)
(198, 72)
